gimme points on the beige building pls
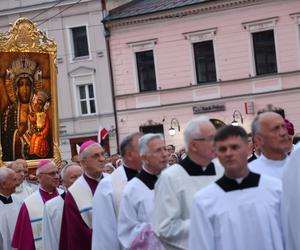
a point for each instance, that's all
(84, 91)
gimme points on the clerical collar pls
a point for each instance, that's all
(99, 179)
(147, 178)
(228, 184)
(55, 191)
(273, 163)
(194, 169)
(130, 173)
(92, 182)
(6, 199)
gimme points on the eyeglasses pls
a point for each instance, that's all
(52, 174)
(207, 139)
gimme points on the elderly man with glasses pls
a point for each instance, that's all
(177, 185)
(29, 227)
(54, 208)
(76, 227)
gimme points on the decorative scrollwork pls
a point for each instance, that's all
(57, 154)
(24, 36)
(1, 162)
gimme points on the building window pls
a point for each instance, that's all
(205, 61)
(80, 42)
(264, 52)
(146, 70)
(86, 99)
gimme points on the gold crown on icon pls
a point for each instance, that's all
(23, 67)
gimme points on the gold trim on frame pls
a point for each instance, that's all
(25, 37)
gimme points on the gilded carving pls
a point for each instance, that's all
(24, 36)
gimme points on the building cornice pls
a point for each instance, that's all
(210, 101)
(182, 12)
(197, 86)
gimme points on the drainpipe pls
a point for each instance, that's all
(107, 36)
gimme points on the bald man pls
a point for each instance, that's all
(271, 135)
(9, 206)
(54, 208)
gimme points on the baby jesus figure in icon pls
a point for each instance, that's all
(39, 146)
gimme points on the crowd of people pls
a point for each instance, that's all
(226, 190)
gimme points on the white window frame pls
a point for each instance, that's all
(140, 47)
(201, 36)
(76, 83)
(296, 17)
(260, 26)
(71, 47)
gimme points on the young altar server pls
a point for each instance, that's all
(137, 200)
(76, 227)
(9, 207)
(29, 228)
(241, 210)
(108, 195)
(54, 207)
(177, 185)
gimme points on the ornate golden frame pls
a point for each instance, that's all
(24, 37)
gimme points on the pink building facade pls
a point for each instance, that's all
(209, 57)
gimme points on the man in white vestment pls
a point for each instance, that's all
(54, 208)
(271, 135)
(241, 210)
(107, 197)
(22, 190)
(291, 200)
(136, 208)
(76, 227)
(177, 185)
(29, 179)
(29, 228)
(9, 207)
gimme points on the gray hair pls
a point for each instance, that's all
(4, 172)
(144, 141)
(85, 152)
(64, 169)
(110, 165)
(38, 170)
(126, 143)
(193, 129)
(14, 164)
(255, 126)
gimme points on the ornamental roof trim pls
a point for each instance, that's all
(136, 12)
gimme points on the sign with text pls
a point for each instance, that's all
(199, 109)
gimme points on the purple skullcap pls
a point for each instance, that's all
(43, 163)
(85, 145)
(289, 126)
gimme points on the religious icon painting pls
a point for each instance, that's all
(28, 95)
